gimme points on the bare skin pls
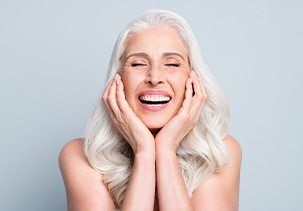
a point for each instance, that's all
(156, 170)
(87, 192)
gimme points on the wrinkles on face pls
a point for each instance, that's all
(155, 59)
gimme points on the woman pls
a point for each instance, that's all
(158, 139)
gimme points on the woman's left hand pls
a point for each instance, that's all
(170, 136)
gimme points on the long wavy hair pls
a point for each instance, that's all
(200, 153)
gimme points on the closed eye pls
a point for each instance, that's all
(138, 64)
(173, 65)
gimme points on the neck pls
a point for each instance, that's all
(155, 131)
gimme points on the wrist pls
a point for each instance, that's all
(164, 146)
(145, 152)
(167, 143)
(165, 151)
(146, 146)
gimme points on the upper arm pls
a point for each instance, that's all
(84, 187)
(221, 190)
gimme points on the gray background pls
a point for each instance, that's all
(53, 58)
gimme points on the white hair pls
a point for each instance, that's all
(201, 152)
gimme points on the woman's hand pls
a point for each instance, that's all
(128, 124)
(170, 136)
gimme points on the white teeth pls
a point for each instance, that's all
(154, 98)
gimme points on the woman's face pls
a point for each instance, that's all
(154, 70)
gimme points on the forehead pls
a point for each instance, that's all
(155, 41)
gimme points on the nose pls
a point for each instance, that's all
(154, 76)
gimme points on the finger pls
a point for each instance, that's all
(203, 88)
(200, 96)
(204, 94)
(111, 99)
(113, 108)
(188, 96)
(105, 93)
(196, 84)
(121, 101)
(105, 100)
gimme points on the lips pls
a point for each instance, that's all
(154, 100)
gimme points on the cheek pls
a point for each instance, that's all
(179, 81)
(131, 82)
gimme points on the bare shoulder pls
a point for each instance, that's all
(220, 191)
(84, 187)
(234, 148)
(71, 148)
(71, 156)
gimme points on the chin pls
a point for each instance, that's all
(154, 124)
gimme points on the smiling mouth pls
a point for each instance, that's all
(154, 100)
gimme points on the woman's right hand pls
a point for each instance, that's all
(125, 120)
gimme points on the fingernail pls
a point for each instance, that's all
(115, 79)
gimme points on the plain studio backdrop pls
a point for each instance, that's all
(54, 56)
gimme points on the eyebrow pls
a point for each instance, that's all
(145, 55)
(174, 54)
